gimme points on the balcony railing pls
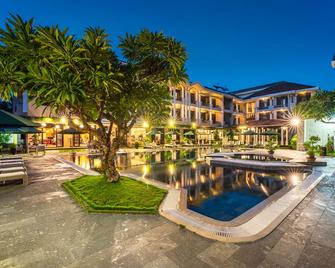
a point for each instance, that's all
(280, 105)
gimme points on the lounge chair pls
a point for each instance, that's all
(11, 164)
(15, 176)
(12, 169)
(10, 160)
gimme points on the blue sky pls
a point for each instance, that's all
(236, 44)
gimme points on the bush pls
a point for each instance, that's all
(293, 142)
(330, 144)
(311, 146)
(137, 145)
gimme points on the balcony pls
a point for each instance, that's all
(204, 104)
(216, 124)
(264, 108)
(217, 107)
(281, 105)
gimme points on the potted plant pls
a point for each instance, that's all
(136, 144)
(12, 148)
(312, 147)
(271, 146)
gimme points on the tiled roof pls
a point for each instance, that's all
(272, 88)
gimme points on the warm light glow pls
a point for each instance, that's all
(194, 165)
(295, 121)
(76, 121)
(171, 123)
(194, 125)
(145, 170)
(171, 168)
(294, 178)
(43, 124)
(81, 126)
(57, 126)
(265, 191)
(145, 124)
(63, 120)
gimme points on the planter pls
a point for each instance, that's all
(311, 158)
(271, 152)
(13, 150)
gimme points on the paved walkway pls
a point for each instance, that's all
(41, 226)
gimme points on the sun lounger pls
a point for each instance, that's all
(12, 169)
(10, 160)
(11, 164)
(15, 176)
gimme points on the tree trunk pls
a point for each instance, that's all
(108, 151)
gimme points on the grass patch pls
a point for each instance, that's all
(125, 196)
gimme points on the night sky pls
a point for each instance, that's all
(236, 44)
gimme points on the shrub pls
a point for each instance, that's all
(293, 142)
(311, 146)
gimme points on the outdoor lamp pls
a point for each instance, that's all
(295, 121)
(145, 124)
(171, 123)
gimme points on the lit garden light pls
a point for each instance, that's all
(295, 121)
(145, 124)
(171, 123)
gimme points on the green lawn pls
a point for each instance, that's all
(125, 196)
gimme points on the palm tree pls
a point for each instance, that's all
(84, 78)
(17, 48)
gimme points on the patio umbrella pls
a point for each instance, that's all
(70, 131)
(270, 133)
(249, 132)
(19, 130)
(189, 133)
(9, 120)
(153, 131)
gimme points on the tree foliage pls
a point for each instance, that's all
(320, 107)
(83, 77)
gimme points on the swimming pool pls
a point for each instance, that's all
(221, 192)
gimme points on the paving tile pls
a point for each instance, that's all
(44, 227)
(216, 254)
(315, 255)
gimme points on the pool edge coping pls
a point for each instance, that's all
(205, 226)
(173, 209)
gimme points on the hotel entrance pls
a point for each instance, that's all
(59, 136)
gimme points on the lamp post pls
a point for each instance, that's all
(298, 123)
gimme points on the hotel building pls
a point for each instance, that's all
(198, 113)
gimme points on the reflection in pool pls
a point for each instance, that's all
(219, 192)
(126, 160)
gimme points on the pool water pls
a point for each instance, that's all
(220, 192)
(127, 160)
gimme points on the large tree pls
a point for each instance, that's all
(321, 107)
(83, 77)
(17, 48)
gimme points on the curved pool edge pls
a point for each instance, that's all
(174, 208)
(76, 167)
(262, 224)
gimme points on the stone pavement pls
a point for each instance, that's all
(41, 226)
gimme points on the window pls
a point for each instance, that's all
(213, 118)
(204, 100)
(264, 116)
(178, 95)
(193, 100)
(193, 116)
